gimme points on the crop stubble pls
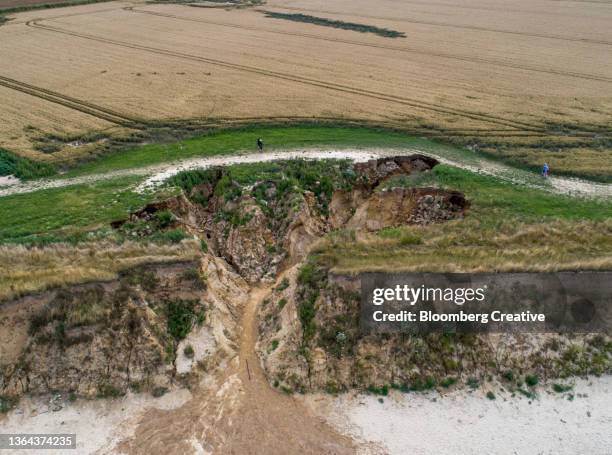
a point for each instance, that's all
(520, 75)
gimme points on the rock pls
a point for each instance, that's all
(399, 206)
(374, 172)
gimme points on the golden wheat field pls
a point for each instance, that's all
(510, 75)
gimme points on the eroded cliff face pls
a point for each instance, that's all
(309, 340)
(273, 223)
(103, 339)
(168, 324)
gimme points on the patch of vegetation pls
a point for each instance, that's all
(22, 168)
(473, 383)
(109, 391)
(182, 315)
(531, 380)
(37, 6)
(527, 393)
(159, 391)
(562, 388)
(423, 384)
(164, 218)
(171, 236)
(490, 395)
(64, 214)
(273, 345)
(269, 182)
(383, 390)
(189, 351)
(281, 303)
(362, 28)
(284, 284)
(311, 279)
(6, 403)
(448, 381)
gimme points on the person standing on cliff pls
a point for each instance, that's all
(260, 144)
(545, 170)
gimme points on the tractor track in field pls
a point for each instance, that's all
(522, 126)
(513, 128)
(389, 47)
(449, 25)
(69, 102)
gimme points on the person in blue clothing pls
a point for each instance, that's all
(545, 170)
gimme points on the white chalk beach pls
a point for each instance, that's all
(463, 422)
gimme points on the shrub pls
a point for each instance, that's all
(23, 168)
(531, 380)
(164, 218)
(473, 383)
(173, 236)
(188, 179)
(420, 385)
(181, 317)
(109, 391)
(282, 303)
(384, 390)
(562, 388)
(273, 345)
(203, 246)
(188, 351)
(159, 391)
(447, 382)
(284, 284)
(490, 395)
(311, 278)
(6, 404)
(527, 393)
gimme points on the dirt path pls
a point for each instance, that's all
(157, 174)
(238, 413)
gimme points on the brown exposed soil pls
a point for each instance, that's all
(239, 413)
(96, 339)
